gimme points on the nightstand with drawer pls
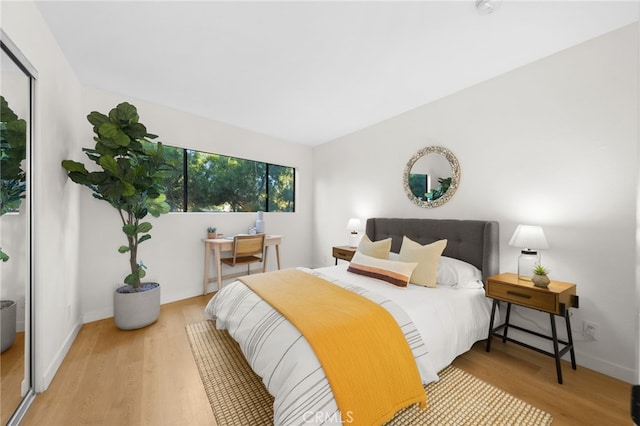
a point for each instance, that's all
(344, 253)
(556, 299)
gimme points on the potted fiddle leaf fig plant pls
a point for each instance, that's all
(130, 177)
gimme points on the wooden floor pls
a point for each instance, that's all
(11, 375)
(585, 397)
(149, 377)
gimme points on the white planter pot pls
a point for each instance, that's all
(540, 280)
(136, 310)
(7, 323)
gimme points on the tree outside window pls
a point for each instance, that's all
(218, 183)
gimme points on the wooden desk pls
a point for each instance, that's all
(219, 245)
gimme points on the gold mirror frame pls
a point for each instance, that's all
(455, 176)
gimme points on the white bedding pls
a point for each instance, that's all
(448, 322)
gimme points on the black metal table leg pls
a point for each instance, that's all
(506, 323)
(493, 313)
(570, 339)
(554, 335)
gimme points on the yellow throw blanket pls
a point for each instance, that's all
(360, 346)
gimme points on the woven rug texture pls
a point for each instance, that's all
(238, 397)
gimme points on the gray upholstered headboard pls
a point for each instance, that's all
(474, 241)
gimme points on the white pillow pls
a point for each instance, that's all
(457, 273)
(454, 272)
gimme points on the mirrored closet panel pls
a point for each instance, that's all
(16, 337)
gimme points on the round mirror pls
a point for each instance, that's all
(432, 176)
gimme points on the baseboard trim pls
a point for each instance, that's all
(583, 359)
(605, 367)
(43, 381)
(88, 317)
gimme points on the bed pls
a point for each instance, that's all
(439, 323)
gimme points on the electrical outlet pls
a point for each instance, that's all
(590, 330)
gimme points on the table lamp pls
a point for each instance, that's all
(354, 225)
(529, 239)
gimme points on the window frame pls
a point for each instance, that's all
(185, 181)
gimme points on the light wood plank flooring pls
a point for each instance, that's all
(11, 375)
(149, 377)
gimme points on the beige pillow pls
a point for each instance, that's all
(395, 273)
(378, 249)
(427, 256)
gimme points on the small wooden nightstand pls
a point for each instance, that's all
(556, 299)
(344, 253)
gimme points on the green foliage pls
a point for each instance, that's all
(540, 270)
(418, 184)
(211, 229)
(131, 178)
(175, 180)
(220, 183)
(217, 182)
(281, 188)
(13, 151)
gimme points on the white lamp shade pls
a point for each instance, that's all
(354, 224)
(529, 237)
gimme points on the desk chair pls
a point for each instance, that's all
(247, 249)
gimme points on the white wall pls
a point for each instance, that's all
(174, 255)
(58, 103)
(553, 143)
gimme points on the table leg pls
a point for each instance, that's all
(207, 260)
(554, 334)
(506, 323)
(264, 258)
(493, 313)
(570, 339)
(218, 266)
(278, 255)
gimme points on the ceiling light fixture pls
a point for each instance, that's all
(487, 7)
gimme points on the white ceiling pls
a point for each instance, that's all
(310, 72)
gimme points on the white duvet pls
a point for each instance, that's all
(439, 324)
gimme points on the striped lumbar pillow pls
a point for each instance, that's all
(396, 273)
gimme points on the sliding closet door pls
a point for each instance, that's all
(17, 80)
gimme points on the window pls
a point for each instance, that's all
(206, 182)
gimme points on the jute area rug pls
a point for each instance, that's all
(238, 397)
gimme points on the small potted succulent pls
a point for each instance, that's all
(540, 277)
(211, 233)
